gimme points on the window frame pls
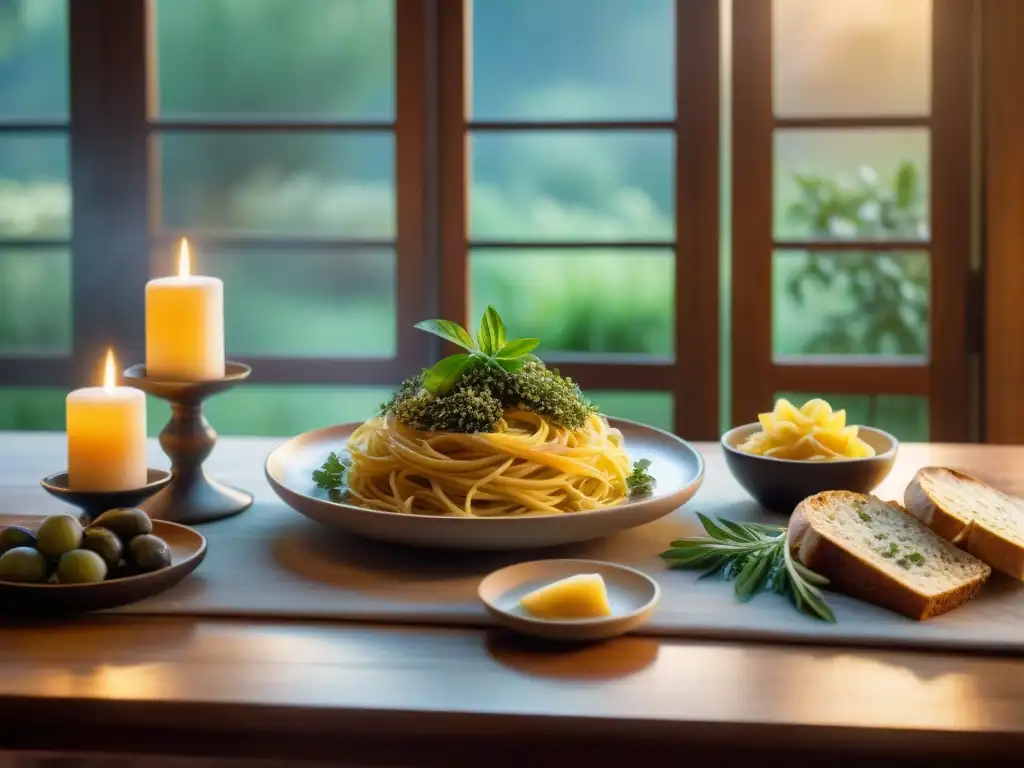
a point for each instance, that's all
(116, 242)
(946, 375)
(692, 375)
(112, 130)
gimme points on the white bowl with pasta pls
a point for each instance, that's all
(676, 466)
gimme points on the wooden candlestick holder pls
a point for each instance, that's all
(192, 497)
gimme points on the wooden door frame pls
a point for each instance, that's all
(1002, 65)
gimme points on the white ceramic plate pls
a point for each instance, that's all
(633, 596)
(676, 466)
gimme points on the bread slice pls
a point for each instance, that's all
(875, 551)
(977, 517)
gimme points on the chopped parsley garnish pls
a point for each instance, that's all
(640, 481)
(331, 476)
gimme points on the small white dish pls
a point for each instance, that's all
(633, 596)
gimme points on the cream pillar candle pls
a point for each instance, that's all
(106, 429)
(185, 325)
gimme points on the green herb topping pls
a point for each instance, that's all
(863, 515)
(757, 557)
(469, 392)
(331, 476)
(640, 481)
(916, 558)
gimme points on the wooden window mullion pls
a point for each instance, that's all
(752, 176)
(950, 391)
(695, 385)
(411, 182)
(454, 30)
(109, 157)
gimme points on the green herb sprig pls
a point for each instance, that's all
(757, 558)
(491, 347)
(640, 481)
(331, 477)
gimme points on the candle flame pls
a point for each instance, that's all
(109, 372)
(183, 259)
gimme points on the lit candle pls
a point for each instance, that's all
(185, 325)
(106, 436)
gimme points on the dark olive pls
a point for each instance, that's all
(148, 553)
(16, 536)
(104, 543)
(126, 523)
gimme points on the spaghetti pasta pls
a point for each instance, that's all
(528, 466)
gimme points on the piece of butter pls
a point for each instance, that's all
(583, 596)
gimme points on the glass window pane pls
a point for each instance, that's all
(850, 303)
(335, 184)
(573, 59)
(652, 408)
(572, 185)
(245, 58)
(35, 301)
(579, 300)
(33, 408)
(852, 183)
(34, 59)
(904, 416)
(295, 302)
(852, 57)
(278, 410)
(35, 194)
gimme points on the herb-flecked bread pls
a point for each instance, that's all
(875, 551)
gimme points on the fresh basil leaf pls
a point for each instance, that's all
(511, 365)
(448, 331)
(439, 379)
(492, 335)
(517, 348)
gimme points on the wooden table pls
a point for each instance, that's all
(377, 695)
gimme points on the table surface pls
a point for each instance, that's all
(346, 691)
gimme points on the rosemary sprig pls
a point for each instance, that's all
(757, 558)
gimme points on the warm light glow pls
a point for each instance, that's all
(183, 259)
(109, 375)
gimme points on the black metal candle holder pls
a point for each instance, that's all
(95, 503)
(192, 497)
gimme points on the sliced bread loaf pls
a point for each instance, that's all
(875, 551)
(977, 517)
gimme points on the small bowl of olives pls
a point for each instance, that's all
(121, 556)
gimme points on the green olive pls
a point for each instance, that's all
(16, 536)
(59, 534)
(81, 566)
(105, 544)
(148, 553)
(24, 565)
(126, 523)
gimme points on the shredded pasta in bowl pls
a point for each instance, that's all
(529, 466)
